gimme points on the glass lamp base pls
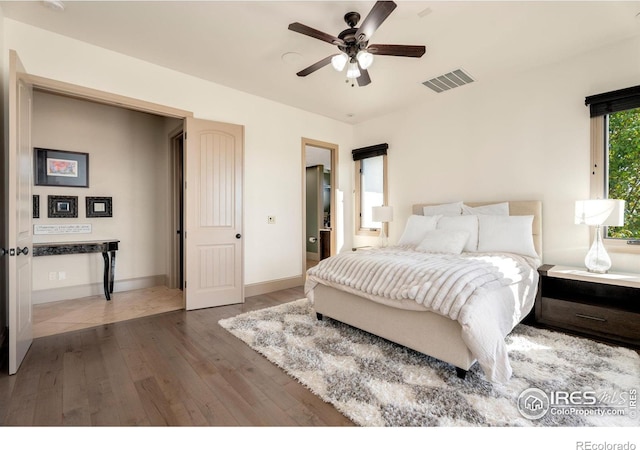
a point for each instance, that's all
(383, 238)
(597, 259)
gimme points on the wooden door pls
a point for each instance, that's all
(213, 218)
(19, 218)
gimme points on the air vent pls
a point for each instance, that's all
(449, 81)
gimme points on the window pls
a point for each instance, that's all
(371, 186)
(615, 141)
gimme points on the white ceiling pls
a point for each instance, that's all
(245, 41)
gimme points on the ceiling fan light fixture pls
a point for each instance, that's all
(339, 61)
(352, 70)
(365, 59)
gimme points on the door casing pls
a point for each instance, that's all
(333, 148)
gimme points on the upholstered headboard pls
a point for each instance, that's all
(516, 208)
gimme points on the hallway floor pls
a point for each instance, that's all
(70, 315)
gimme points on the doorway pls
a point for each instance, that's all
(177, 205)
(319, 212)
(209, 138)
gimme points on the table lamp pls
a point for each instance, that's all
(382, 214)
(599, 213)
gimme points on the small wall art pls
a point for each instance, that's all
(99, 207)
(61, 168)
(63, 206)
(36, 207)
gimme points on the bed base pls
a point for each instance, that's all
(423, 331)
(461, 373)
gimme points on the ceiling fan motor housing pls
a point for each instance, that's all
(348, 36)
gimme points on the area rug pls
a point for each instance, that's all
(375, 382)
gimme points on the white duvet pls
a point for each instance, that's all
(487, 293)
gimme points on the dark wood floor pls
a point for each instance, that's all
(177, 368)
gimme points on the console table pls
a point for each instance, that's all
(108, 249)
(601, 306)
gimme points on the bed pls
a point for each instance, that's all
(470, 328)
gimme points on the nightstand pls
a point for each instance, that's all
(604, 307)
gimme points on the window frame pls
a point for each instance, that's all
(599, 172)
(361, 231)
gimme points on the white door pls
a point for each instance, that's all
(213, 213)
(19, 226)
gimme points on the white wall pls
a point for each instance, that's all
(128, 161)
(273, 132)
(3, 209)
(525, 138)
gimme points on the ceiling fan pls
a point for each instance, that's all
(355, 51)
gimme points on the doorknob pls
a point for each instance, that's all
(3, 251)
(238, 236)
(23, 250)
(313, 239)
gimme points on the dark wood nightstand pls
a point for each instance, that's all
(604, 307)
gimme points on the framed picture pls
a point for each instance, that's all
(99, 207)
(36, 207)
(63, 206)
(61, 168)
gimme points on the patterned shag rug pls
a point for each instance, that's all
(378, 383)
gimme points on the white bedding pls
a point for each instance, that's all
(487, 293)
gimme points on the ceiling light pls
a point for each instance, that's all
(339, 61)
(352, 70)
(365, 59)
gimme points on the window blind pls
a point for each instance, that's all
(614, 101)
(369, 152)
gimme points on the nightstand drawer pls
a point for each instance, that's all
(592, 319)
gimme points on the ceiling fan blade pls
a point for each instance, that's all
(312, 32)
(313, 67)
(412, 51)
(374, 19)
(364, 78)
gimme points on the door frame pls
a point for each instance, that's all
(333, 148)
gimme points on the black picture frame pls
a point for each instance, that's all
(36, 207)
(62, 206)
(60, 168)
(99, 207)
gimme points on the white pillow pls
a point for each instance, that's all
(444, 241)
(495, 209)
(416, 228)
(462, 223)
(512, 234)
(445, 209)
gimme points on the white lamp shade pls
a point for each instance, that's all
(607, 212)
(339, 61)
(382, 214)
(365, 59)
(352, 70)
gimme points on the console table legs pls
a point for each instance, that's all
(109, 270)
(108, 249)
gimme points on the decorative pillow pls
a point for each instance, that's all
(495, 209)
(512, 234)
(417, 226)
(444, 241)
(462, 223)
(445, 209)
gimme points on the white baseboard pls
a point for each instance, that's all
(271, 286)
(87, 290)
